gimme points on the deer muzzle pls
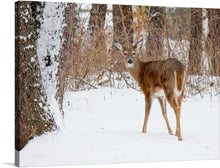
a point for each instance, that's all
(130, 61)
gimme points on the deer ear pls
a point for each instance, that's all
(118, 46)
(139, 44)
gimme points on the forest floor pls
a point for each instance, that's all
(104, 126)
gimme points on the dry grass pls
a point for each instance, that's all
(93, 64)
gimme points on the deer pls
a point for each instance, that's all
(161, 79)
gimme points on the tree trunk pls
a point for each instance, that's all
(214, 40)
(32, 116)
(156, 32)
(70, 18)
(122, 31)
(195, 51)
(123, 24)
(96, 24)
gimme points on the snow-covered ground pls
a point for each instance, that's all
(104, 126)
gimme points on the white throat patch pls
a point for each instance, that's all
(129, 65)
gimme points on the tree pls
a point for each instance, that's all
(179, 23)
(96, 23)
(195, 51)
(123, 24)
(44, 34)
(32, 115)
(52, 55)
(156, 32)
(122, 30)
(214, 40)
(70, 19)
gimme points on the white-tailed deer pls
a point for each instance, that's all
(164, 80)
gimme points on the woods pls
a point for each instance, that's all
(68, 47)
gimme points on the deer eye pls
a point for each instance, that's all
(133, 53)
(125, 53)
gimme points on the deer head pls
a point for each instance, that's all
(130, 54)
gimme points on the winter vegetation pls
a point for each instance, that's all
(77, 104)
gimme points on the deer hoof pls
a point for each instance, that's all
(144, 131)
(180, 138)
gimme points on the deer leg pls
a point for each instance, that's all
(180, 98)
(177, 109)
(147, 112)
(178, 131)
(163, 105)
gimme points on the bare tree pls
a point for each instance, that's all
(122, 30)
(156, 32)
(96, 23)
(70, 18)
(195, 51)
(214, 40)
(123, 24)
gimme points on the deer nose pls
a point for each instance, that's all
(130, 61)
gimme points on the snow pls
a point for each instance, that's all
(28, 47)
(49, 44)
(24, 37)
(104, 126)
(205, 23)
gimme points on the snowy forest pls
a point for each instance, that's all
(65, 62)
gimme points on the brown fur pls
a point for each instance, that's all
(156, 75)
